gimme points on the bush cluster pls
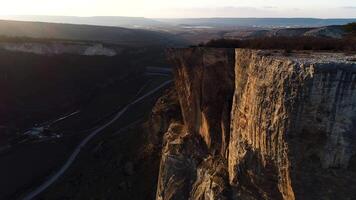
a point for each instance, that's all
(351, 27)
(287, 43)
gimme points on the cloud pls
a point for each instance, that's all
(349, 7)
(267, 11)
(215, 12)
(270, 7)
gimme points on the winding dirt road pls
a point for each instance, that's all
(77, 150)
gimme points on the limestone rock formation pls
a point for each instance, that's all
(261, 125)
(58, 48)
(293, 121)
(204, 82)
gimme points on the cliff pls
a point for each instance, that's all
(57, 48)
(261, 125)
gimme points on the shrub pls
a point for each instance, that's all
(351, 27)
(287, 43)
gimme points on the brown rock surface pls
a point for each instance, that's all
(294, 117)
(204, 81)
(261, 125)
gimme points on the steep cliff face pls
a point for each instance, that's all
(261, 125)
(293, 125)
(204, 82)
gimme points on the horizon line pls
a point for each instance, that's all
(92, 16)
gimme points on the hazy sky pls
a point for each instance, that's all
(182, 8)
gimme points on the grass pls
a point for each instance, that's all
(351, 28)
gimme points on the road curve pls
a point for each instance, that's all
(77, 150)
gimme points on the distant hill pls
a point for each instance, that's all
(335, 31)
(107, 34)
(128, 22)
(147, 23)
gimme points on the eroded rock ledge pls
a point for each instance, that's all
(261, 125)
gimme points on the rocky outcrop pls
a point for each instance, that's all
(293, 119)
(164, 112)
(204, 82)
(56, 48)
(261, 125)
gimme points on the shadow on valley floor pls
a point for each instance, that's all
(41, 88)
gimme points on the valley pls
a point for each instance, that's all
(55, 96)
(177, 109)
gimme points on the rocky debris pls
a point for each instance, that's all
(180, 155)
(175, 167)
(212, 180)
(165, 112)
(261, 125)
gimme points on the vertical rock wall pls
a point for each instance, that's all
(259, 122)
(261, 125)
(321, 135)
(204, 81)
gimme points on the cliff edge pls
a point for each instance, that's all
(261, 125)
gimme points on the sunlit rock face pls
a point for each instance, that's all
(293, 124)
(204, 84)
(261, 125)
(204, 80)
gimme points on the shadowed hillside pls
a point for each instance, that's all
(116, 35)
(68, 95)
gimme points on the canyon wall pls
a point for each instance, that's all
(261, 125)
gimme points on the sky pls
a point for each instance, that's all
(182, 8)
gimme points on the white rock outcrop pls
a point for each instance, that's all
(56, 48)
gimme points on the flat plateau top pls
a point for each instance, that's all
(312, 56)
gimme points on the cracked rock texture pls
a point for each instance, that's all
(261, 125)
